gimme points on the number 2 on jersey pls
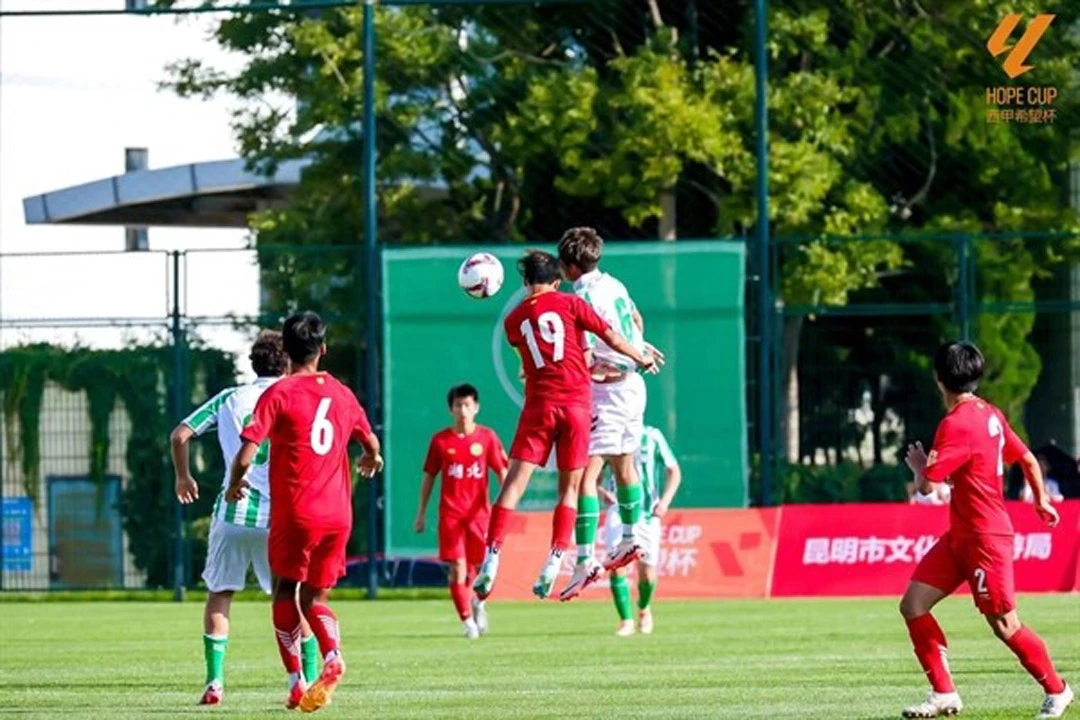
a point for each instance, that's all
(552, 332)
(994, 426)
(322, 430)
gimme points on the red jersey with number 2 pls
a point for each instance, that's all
(309, 420)
(548, 330)
(972, 447)
(464, 461)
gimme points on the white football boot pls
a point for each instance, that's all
(936, 705)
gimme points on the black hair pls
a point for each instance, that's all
(959, 366)
(268, 358)
(304, 334)
(539, 268)
(464, 390)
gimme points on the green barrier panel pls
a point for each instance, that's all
(435, 336)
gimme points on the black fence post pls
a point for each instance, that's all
(963, 289)
(177, 407)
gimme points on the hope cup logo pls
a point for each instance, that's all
(1029, 104)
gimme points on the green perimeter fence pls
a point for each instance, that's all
(91, 390)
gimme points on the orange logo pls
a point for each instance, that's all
(476, 449)
(997, 44)
(451, 451)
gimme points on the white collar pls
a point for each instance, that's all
(587, 279)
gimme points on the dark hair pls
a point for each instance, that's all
(539, 268)
(581, 246)
(464, 390)
(959, 366)
(268, 358)
(304, 334)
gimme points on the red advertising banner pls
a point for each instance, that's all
(703, 554)
(873, 549)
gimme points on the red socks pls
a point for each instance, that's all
(1031, 650)
(324, 626)
(498, 526)
(460, 592)
(287, 632)
(562, 527)
(932, 651)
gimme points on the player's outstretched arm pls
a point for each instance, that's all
(187, 490)
(1033, 475)
(650, 363)
(238, 472)
(427, 483)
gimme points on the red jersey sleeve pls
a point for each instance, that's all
(951, 450)
(262, 419)
(362, 427)
(587, 318)
(1014, 447)
(433, 461)
(496, 455)
(513, 332)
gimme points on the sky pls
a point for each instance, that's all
(74, 92)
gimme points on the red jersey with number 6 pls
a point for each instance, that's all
(309, 420)
(548, 330)
(464, 461)
(972, 447)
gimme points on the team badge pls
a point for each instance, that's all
(451, 451)
(476, 449)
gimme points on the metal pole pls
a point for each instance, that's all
(177, 411)
(963, 290)
(371, 364)
(765, 298)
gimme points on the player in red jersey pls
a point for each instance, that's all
(463, 453)
(309, 417)
(548, 330)
(972, 446)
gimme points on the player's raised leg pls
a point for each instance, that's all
(562, 532)
(629, 493)
(502, 513)
(930, 646)
(1030, 649)
(587, 570)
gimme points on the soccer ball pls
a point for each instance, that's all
(481, 275)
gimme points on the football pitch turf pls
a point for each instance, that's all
(406, 659)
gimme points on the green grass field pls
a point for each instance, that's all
(777, 659)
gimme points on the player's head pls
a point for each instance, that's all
(579, 251)
(268, 358)
(464, 402)
(958, 367)
(539, 269)
(304, 336)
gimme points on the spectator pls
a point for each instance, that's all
(1053, 487)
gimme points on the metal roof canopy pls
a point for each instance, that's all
(217, 194)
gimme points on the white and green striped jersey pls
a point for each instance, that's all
(653, 457)
(611, 301)
(229, 411)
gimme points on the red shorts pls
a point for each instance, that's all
(315, 556)
(564, 426)
(463, 537)
(985, 561)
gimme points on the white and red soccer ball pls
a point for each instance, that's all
(481, 275)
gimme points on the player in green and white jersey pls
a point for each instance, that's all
(618, 408)
(655, 461)
(238, 531)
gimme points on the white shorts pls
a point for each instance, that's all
(647, 534)
(618, 416)
(232, 549)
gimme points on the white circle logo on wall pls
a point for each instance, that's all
(498, 340)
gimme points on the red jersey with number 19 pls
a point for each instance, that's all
(972, 446)
(309, 420)
(548, 330)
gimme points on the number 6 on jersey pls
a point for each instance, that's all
(322, 430)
